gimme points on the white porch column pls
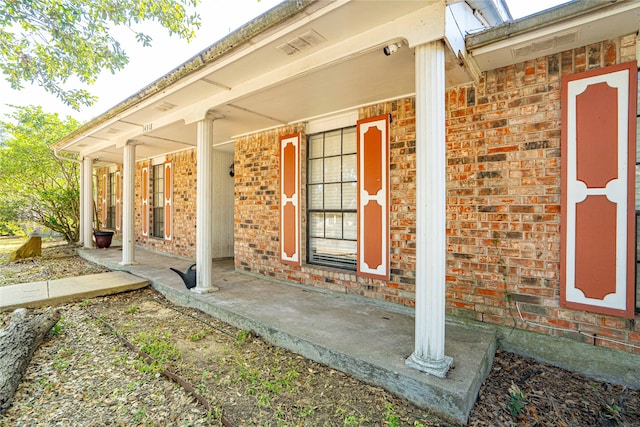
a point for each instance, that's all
(128, 204)
(86, 221)
(204, 214)
(428, 355)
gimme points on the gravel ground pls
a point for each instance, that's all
(57, 261)
(84, 375)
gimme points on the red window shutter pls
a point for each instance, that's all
(598, 190)
(290, 199)
(145, 201)
(118, 202)
(168, 201)
(105, 200)
(373, 197)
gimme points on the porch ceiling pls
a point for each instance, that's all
(340, 65)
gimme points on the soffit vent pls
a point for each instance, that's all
(113, 130)
(545, 45)
(300, 43)
(165, 106)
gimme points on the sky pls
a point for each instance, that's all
(219, 18)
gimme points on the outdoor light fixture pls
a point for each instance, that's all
(232, 170)
(392, 48)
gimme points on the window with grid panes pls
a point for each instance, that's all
(158, 201)
(332, 198)
(111, 201)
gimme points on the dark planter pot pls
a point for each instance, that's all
(103, 238)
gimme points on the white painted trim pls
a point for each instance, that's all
(615, 190)
(333, 121)
(223, 144)
(160, 160)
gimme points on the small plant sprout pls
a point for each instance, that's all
(198, 336)
(58, 328)
(132, 309)
(391, 417)
(518, 400)
(242, 338)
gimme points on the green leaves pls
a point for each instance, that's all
(46, 42)
(36, 185)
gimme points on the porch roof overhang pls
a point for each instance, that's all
(300, 60)
(555, 30)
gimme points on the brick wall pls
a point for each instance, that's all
(257, 204)
(257, 211)
(503, 197)
(184, 206)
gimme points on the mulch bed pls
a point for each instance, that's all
(83, 374)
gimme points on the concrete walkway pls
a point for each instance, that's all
(71, 289)
(367, 339)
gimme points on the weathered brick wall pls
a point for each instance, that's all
(257, 204)
(503, 197)
(257, 211)
(184, 207)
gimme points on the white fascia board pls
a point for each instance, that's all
(461, 20)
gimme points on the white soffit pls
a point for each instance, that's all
(311, 82)
(361, 80)
(583, 30)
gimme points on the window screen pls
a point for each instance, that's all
(332, 198)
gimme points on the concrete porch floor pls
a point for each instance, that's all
(367, 339)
